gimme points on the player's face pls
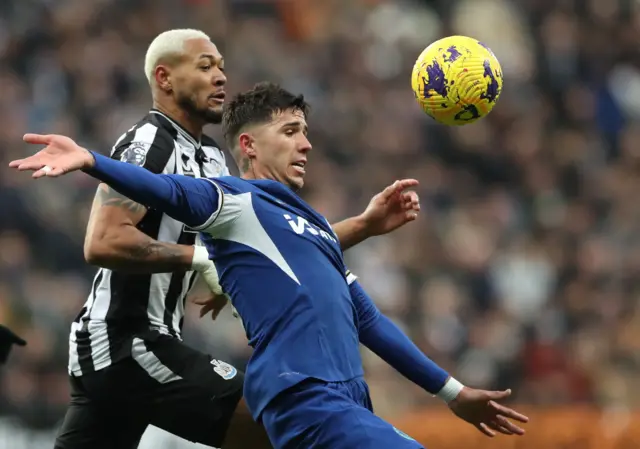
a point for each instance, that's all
(281, 148)
(198, 81)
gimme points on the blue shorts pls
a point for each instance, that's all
(339, 415)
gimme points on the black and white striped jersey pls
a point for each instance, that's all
(121, 305)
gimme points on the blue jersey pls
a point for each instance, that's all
(282, 266)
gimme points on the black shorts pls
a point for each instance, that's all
(166, 384)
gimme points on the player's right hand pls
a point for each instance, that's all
(61, 155)
(481, 409)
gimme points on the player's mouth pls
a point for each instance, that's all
(299, 167)
(218, 97)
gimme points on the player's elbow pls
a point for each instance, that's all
(103, 249)
(97, 253)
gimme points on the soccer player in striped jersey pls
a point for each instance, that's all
(282, 265)
(127, 363)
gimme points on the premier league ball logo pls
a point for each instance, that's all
(136, 154)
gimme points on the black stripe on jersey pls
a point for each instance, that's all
(175, 287)
(83, 336)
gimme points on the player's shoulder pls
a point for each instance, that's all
(233, 185)
(148, 143)
(148, 132)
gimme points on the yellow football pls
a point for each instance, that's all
(457, 80)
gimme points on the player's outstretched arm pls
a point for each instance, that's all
(387, 211)
(191, 201)
(478, 407)
(194, 202)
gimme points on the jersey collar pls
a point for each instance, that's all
(186, 134)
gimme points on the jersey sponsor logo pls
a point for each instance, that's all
(136, 153)
(223, 369)
(301, 225)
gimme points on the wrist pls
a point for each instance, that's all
(450, 390)
(200, 260)
(90, 162)
(361, 226)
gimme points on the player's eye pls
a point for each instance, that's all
(289, 132)
(205, 68)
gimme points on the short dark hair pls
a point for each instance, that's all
(258, 105)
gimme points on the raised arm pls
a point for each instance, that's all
(387, 211)
(195, 202)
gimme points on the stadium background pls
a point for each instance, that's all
(522, 272)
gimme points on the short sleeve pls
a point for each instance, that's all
(146, 146)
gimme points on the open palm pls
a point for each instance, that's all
(392, 208)
(61, 155)
(479, 408)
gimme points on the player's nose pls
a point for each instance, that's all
(304, 145)
(219, 79)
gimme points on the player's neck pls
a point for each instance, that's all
(182, 118)
(251, 175)
(248, 175)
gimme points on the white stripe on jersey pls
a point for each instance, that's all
(247, 231)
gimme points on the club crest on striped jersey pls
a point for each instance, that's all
(223, 369)
(136, 153)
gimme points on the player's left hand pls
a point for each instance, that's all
(479, 408)
(392, 208)
(211, 303)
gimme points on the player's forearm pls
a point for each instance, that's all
(350, 232)
(185, 199)
(130, 250)
(391, 344)
(378, 333)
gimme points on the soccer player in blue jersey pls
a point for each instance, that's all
(281, 264)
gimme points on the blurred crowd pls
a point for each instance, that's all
(523, 270)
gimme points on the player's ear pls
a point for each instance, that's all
(163, 78)
(247, 145)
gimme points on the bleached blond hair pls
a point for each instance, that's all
(168, 44)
